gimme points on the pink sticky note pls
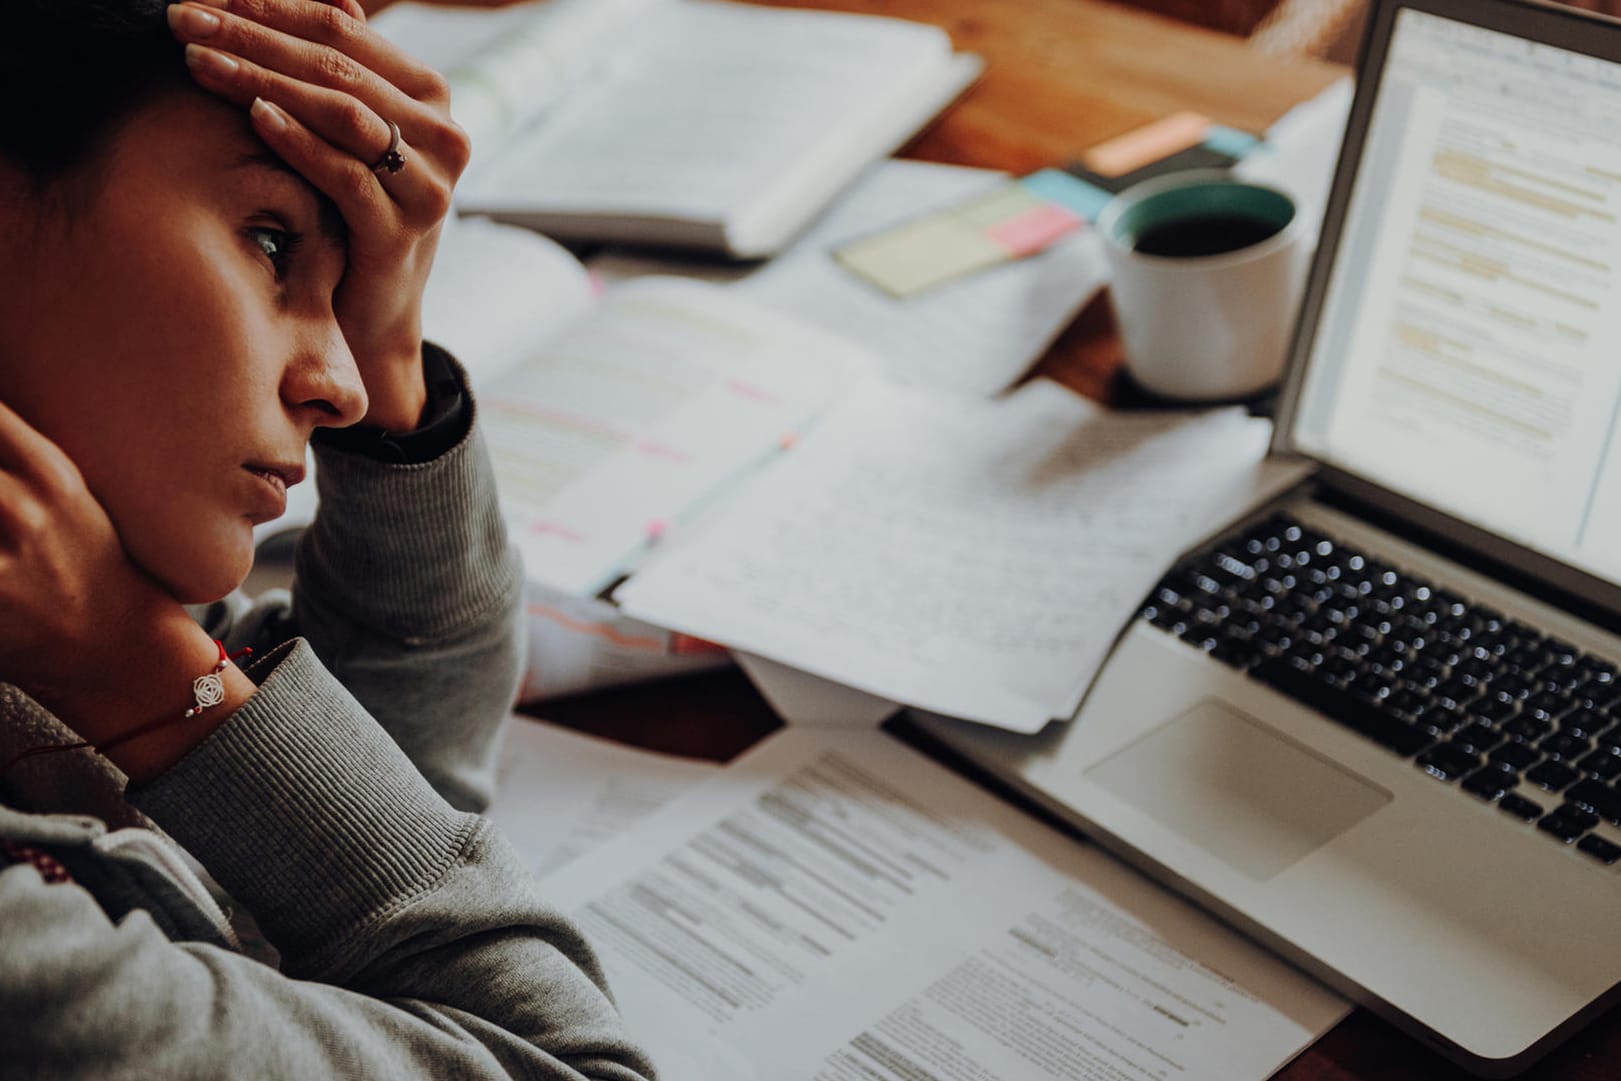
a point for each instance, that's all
(1035, 229)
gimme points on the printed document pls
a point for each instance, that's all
(560, 793)
(837, 907)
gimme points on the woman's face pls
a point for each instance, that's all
(174, 334)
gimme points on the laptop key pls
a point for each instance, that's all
(1520, 807)
(1600, 849)
(1397, 735)
(1527, 727)
(1448, 762)
(1551, 776)
(1564, 745)
(1602, 765)
(1490, 782)
(1517, 755)
(1568, 822)
(1597, 797)
(1479, 738)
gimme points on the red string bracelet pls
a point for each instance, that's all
(206, 690)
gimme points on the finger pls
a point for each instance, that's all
(351, 8)
(350, 138)
(366, 207)
(307, 61)
(341, 25)
(29, 456)
(19, 509)
(426, 124)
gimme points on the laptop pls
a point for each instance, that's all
(1377, 724)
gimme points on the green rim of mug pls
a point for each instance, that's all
(1194, 199)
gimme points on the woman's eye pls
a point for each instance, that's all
(278, 246)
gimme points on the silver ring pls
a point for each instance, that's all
(392, 160)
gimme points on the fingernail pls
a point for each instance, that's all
(192, 22)
(268, 115)
(210, 62)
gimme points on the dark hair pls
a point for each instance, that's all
(56, 115)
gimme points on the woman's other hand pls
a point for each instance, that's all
(323, 90)
(85, 632)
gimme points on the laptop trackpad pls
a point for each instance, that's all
(1237, 789)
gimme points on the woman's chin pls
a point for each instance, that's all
(205, 578)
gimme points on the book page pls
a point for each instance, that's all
(507, 66)
(835, 906)
(977, 335)
(608, 435)
(496, 291)
(971, 558)
(701, 108)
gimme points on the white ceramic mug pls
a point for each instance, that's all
(1204, 327)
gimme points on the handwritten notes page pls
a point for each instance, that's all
(626, 419)
(972, 558)
(836, 907)
(976, 335)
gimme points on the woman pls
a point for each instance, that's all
(215, 225)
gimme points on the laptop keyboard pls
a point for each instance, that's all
(1509, 714)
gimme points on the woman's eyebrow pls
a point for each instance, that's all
(327, 215)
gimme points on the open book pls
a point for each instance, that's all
(692, 123)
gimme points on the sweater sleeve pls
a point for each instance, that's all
(407, 590)
(416, 945)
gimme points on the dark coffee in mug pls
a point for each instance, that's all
(1204, 234)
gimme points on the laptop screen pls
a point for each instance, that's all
(1467, 353)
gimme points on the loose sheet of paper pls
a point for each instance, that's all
(659, 397)
(560, 794)
(977, 335)
(836, 907)
(972, 558)
(1301, 150)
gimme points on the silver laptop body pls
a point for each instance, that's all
(1456, 376)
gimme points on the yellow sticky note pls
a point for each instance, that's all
(921, 254)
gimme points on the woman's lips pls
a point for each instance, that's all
(274, 481)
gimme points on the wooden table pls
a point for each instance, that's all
(1060, 76)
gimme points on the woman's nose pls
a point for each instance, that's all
(325, 381)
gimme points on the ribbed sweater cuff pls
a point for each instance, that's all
(417, 551)
(306, 812)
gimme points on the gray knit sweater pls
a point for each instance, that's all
(411, 944)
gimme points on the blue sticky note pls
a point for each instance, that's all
(1068, 191)
(1230, 141)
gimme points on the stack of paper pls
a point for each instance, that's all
(835, 907)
